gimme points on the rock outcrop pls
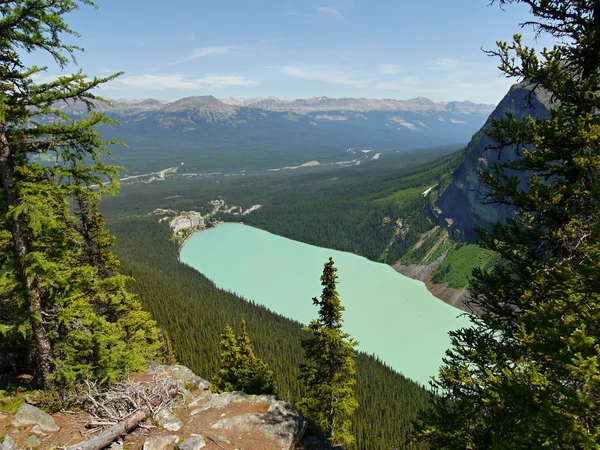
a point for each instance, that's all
(201, 419)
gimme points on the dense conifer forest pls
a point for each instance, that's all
(339, 208)
(194, 312)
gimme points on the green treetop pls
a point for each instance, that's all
(526, 373)
(65, 311)
(241, 370)
(329, 373)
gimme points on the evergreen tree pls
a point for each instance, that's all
(65, 310)
(525, 374)
(168, 352)
(240, 369)
(253, 373)
(226, 378)
(329, 374)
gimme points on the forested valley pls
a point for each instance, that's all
(194, 312)
(95, 304)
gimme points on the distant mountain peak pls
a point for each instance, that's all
(216, 109)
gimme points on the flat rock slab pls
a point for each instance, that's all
(30, 415)
(159, 443)
(8, 444)
(33, 441)
(193, 443)
(236, 413)
(240, 423)
(228, 398)
(168, 420)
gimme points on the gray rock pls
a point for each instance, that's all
(187, 377)
(159, 443)
(8, 444)
(241, 423)
(284, 423)
(116, 446)
(281, 421)
(33, 441)
(37, 430)
(193, 443)
(206, 395)
(227, 398)
(30, 415)
(168, 420)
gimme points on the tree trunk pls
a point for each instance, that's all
(332, 399)
(30, 284)
(107, 437)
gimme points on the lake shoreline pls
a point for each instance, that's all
(391, 315)
(453, 297)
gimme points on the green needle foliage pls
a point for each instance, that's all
(64, 311)
(329, 374)
(241, 370)
(526, 373)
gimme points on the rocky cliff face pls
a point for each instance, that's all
(462, 204)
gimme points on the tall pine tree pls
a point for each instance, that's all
(329, 373)
(65, 311)
(526, 374)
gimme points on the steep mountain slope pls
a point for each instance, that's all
(462, 204)
(461, 208)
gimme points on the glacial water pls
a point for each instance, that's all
(392, 316)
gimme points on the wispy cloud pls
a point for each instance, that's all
(217, 81)
(44, 77)
(206, 51)
(158, 82)
(328, 10)
(298, 14)
(389, 69)
(180, 82)
(446, 64)
(333, 77)
(404, 83)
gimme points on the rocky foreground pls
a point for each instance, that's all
(195, 420)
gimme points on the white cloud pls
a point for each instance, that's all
(180, 82)
(205, 51)
(446, 64)
(330, 11)
(217, 81)
(389, 69)
(298, 14)
(44, 77)
(326, 76)
(158, 82)
(401, 84)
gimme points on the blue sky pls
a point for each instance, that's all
(296, 48)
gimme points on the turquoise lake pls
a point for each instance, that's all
(392, 316)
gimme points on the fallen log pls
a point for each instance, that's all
(108, 436)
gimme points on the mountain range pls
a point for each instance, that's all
(211, 134)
